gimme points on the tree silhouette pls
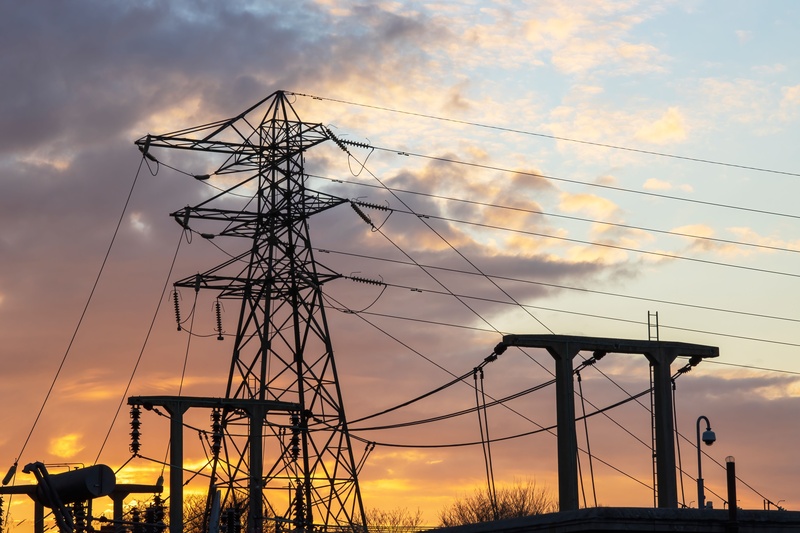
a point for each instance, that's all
(513, 501)
(399, 520)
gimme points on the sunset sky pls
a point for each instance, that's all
(581, 164)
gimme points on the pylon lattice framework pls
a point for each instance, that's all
(299, 460)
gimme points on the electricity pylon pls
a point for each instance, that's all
(282, 452)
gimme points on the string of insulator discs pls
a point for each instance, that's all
(218, 311)
(175, 296)
(135, 433)
(216, 432)
(217, 314)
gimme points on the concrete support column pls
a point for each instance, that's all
(255, 516)
(567, 435)
(38, 517)
(661, 354)
(176, 410)
(119, 500)
(665, 428)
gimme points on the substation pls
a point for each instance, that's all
(282, 459)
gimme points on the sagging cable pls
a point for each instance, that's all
(483, 426)
(499, 349)
(368, 281)
(367, 450)
(588, 445)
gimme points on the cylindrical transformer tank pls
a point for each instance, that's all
(79, 485)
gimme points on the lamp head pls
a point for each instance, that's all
(709, 437)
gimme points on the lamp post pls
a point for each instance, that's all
(730, 467)
(708, 437)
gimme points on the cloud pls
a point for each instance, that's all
(770, 70)
(590, 204)
(137, 223)
(83, 82)
(790, 102)
(702, 233)
(751, 236)
(133, 69)
(744, 36)
(592, 35)
(741, 100)
(667, 129)
(67, 446)
(654, 184)
(597, 126)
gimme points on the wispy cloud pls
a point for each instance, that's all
(669, 128)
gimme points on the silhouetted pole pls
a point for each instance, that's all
(708, 437)
(176, 411)
(730, 467)
(567, 436)
(667, 485)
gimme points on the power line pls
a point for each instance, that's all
(552, 137)
(599, 244)
(566, 217)
(751, 367)
(366, 219)
(588, 184)
(141, 350)
(450, 245)
(660, 301)
(447, 416)
(396, 261)
(587, 315)
(434, 363)
(487, 277)
(541, 429)
(502, 402)
(85, 308)
(578, 289)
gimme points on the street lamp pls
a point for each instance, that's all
(708, 437)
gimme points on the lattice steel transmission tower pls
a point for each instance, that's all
(282, 452)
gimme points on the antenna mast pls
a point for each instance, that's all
(285, 456)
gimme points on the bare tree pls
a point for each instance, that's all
(194, 509)
(399, 520)
(520, 499)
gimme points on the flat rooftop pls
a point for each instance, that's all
(641, 519)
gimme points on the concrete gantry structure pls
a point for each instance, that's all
(255, 411)
(660, 354)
